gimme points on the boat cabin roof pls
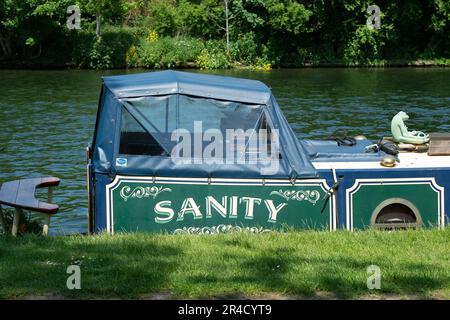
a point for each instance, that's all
(138, 114)
(195, 84)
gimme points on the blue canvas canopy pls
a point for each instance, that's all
(143, 109)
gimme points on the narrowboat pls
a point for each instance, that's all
(179, 152)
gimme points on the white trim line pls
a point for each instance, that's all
(408, 160)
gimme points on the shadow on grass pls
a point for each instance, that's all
(132, 266)
(345, 277)
(280, 271)
(123, 268)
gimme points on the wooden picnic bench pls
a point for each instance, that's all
(20, 194)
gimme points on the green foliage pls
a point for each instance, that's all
(132, 57)
(119, 41)
(30, 41)
(105, 52)
(287, 16)
(364, 47)
(162, 18)
(168, 52)
(199, 19)
(261, 64)
(279, 32)
(28, 223)
(111, 11)
(213, 56)
(245, 48)
(248, 14)
(100, 56)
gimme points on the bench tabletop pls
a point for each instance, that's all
(21, 194)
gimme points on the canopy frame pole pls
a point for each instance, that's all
(167, 115)
(146, 124)
(178, 112)
(132, 109)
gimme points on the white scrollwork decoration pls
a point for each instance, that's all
(222, 228)
(311, 196)
(142, 192)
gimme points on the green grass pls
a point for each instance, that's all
(413, 263)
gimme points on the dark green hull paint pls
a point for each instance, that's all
(425, 196)
(133, 204)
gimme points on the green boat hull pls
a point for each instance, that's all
(175, 205)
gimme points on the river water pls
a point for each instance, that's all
(47, 117)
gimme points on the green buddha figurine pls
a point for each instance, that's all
(401, 134)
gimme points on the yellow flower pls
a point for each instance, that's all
(132, 57)
(152, 36)
(202, 60)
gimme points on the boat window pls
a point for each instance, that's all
(159, 112)
(264, 126)
(165, 114)
(161, 116)
(135, 140)
(216, 114)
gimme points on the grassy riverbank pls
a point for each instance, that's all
(301, 264)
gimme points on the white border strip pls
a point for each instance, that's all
(408, 160)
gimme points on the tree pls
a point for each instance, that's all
(228, 16)
(101, 8)
(287, 16)
(237, 10)
(16, 17)
(227, 22)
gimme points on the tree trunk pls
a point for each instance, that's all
(5, 45)
(39, 52)
(227, 29)
(98, 23)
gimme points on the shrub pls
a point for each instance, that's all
(100, 55)
(82, 42)
(162, 18)
(244, 49)
(132, 57)
(213, 56)
(169, 52)
(28, 223)
(262, 64)
(108, 51)
(272, 51)
(364, 47)
(119, 40)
